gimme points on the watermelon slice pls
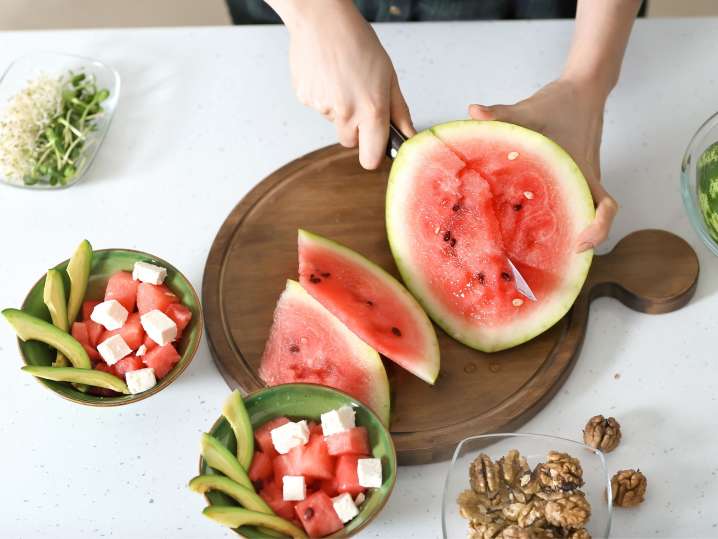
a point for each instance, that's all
(370, 302)
(464, 196)
(307, 343)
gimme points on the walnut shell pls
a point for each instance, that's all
(601, 433)
(572, 512)
(629, 488)
(484, 476)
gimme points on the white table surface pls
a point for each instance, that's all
(204, 115)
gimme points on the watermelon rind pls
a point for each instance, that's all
(370, 359)
(575, 188)
(428, 364)
(707, 172)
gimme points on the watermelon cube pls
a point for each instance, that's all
(80, 333)
(263, 437)
(351, 442)
(123, 288)
(94, 331)
(284, 465)
(329, 486)
(317, 515)
(127, 364)
(162, 359)
(132, 332)
(87, 308)
(154, 296)
(313, 459)
(261, 468)
(149, 343)
(104, 367)
(272, 494)
(180, 314)
(346, 476)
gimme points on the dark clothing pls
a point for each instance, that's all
(258, 12)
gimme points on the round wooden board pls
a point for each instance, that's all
(327, 192)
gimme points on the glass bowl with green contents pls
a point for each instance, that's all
(699, 182)
(55, 110)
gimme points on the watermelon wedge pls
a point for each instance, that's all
(370, 302)
(307, 343)
(464, 196)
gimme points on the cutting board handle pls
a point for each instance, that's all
(651, 271)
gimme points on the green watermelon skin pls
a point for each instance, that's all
(707, 174)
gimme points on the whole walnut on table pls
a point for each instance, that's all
(629, 488)
(601, 433)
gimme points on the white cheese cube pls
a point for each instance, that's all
(339, 420)
(369, 473)
(293, 488)
(111, 314)
(141, 351)
(148, 273)
(344, 507)
(113, 349)
(159, 327)
(359, 499)
(289, 435)
(140, 380)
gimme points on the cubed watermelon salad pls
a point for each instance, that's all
(313, 476)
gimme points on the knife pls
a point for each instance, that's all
(396, 139)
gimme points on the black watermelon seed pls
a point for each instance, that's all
(447, 236)
(370, 303)
(308, 513)
(452, 242)
(294, 349)
(396, 331)
(325, 274)
(314, 279)
(517, 207)
(505, 276)
(455, 207)
(481, 277)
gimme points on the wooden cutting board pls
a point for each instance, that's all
(328, 193)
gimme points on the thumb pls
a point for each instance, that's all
(504, 113)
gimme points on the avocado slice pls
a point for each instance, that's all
(222, 460)
(32, 328)
(78, 269)
(234, 517)
(89, 377)
(54, 297)
(236, 414)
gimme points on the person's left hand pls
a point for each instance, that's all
(569, 113)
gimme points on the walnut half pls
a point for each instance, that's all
(484, 476)
(571, 512)
(629, 488)
(601, 433)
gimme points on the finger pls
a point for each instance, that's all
(503, 113)
(347, 133)
(597, 232)
(373, 134)
(399, 111)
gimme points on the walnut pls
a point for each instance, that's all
(513, 467)
(516, 532)
(484, 476)
(581, 533)
(532, 514)
(573, 511)
(472, 506)
(601, 433)
(629, 488)
(561, 473)
(489, 530)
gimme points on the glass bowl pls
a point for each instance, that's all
(28, 67)
(534, 447)
(706, 135)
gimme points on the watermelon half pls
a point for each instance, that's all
(309, 344)
(462, 197)
(370, 302)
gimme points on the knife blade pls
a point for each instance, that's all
(522, 287)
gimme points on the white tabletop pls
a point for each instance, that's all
(204, 115)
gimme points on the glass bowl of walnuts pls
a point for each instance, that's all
(526, 486)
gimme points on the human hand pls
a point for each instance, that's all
(571, 114)
(340, 69)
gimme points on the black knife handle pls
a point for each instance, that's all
(396, 139)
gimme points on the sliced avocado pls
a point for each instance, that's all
(31, 328)
(78, 269)
(236, 414)
(54, 298)
(234, 517)
(222, 460)
(90, 377)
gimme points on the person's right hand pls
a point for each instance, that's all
(340, 69)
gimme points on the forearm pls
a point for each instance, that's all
(297, 13)
(599, 42)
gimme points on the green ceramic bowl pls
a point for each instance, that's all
(309, 401)
(106, 262)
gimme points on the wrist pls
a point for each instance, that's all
(593, 85)
(299, 13)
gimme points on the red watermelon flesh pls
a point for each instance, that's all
(351, 442)
(132, 332)
(309, 344)
(87, 307)
(180, 314)
(154, 296)
(346, 474)
(127, 364)
(312, 460)
(317, 515)
(123, 288)
(94, 331)
(465, 196)
(263, 437)
(80, 333)
(272, 494)
(261, 467)
(370, 302)
(162, 359)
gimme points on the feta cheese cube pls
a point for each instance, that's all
(110, 314)
(344, 507)
(359, 499)
(159, 327)
(339, 420)
(369, 473)
(113, 349)
(148, 273)
(140, 380)
(293, 488)
(141, 351)
(289, 435)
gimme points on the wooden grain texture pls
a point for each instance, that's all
(328, 193)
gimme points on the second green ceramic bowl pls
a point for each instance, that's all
(309, 401)
(105, 263)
